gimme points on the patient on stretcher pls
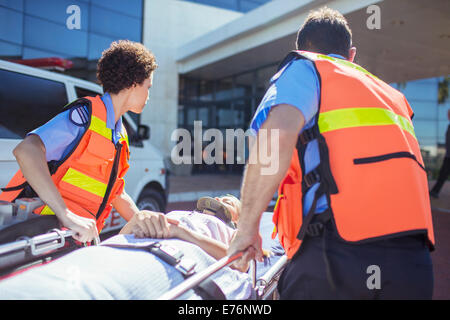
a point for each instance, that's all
(210, 226)
(102, 272)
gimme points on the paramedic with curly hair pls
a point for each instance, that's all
(75, 162)
(353, 212)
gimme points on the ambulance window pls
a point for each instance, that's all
(27, 102)
(81, 92)
(132, 136)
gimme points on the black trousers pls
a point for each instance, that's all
(404, 269)
(443, 175)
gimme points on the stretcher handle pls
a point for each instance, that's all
(200, 277)
(46, 247)
(60, 235)
(70, 233)
(46, 242)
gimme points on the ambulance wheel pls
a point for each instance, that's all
(152, 200)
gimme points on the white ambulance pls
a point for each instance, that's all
(30, 96)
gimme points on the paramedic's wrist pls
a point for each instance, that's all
(62, 212)
(248, 228)
(246, 235)
(244, 240)
(64, 216)
(84, 229)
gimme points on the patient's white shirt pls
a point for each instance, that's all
(204, 224)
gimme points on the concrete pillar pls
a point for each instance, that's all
(167, 25)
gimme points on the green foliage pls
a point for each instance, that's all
(443, 90)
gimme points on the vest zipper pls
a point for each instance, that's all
(388, 156)
(112, 180)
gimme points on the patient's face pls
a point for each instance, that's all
(232, 205)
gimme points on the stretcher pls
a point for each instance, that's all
(129, 275)
(264, 276)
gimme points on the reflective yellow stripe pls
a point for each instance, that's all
(124, 137)
(346, 63)
(274, 231)
(278, 200)
(99, 126)
(84, 182)
(360, 117)
(47, 211)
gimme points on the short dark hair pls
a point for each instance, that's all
(325, 31)
(124, 64)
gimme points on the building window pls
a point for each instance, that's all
(430, 119)
(22, 113)
(227, 103)
(32, 29)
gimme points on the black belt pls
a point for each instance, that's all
(207, 289)
(317, 225)
(315, 228)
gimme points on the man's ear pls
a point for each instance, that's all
(351, 54)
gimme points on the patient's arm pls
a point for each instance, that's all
(214, 248)
(149, 224)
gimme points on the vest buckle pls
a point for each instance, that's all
(311, 178)
(314, 229)
(307, 136)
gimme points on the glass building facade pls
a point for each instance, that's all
(236, 5)
(430, 119)
(40, 28)
(230, 103)
(226, 103)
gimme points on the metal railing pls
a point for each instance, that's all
(40, 244)
(201, 276)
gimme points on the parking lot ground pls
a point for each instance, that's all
(185, 190)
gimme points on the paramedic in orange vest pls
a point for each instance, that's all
(75, 162)
(353, 211)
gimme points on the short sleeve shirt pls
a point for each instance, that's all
(297, 84)
(60, 134)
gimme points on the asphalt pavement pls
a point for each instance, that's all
(185, 190)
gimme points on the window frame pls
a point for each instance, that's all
(35, 75)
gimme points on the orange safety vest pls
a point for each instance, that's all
(371, 169)
(91, 175)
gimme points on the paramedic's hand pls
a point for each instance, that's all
(249, 242)
(150, 224)
(85, 229)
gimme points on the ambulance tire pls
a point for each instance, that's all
(151, 199)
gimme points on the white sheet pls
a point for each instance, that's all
(109, 273)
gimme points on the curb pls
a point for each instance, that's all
(195, 195)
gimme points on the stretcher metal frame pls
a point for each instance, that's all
(41, 244)
(55, 239)
(264, 287)
(27, 251)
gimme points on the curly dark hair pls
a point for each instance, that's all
(124, 64)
